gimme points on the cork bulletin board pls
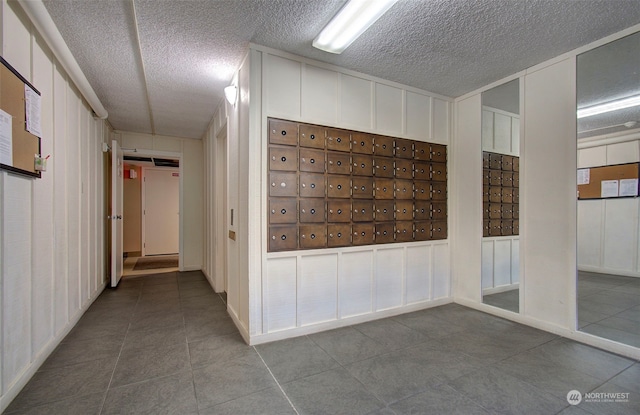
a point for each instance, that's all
(608, 181)
(25, 146)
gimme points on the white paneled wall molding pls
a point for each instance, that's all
(52, 247)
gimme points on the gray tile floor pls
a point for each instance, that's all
(164, 344)
(508, 300)
(609, 306)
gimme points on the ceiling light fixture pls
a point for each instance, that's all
(231, 93)
(350, 22)
(609, 106)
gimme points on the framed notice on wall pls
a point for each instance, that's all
(19, 122)
(605, 182)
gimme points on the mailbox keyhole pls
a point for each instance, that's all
(312, 161)
(339, 234)
(283, 237)
(283, 158)
(313, 185)
(339, 186)
(313, 236)
(313, 136)
(339, 211)
(283, 211)
(339, 163)
(339, 140)
(313, 211)
(283, 132)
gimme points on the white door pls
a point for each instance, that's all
(161, 216)
(117, 178)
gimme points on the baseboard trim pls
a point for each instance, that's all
(611, 271)
(500, 289)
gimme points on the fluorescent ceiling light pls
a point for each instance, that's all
(231, 93)
(350, 22)
(609, 106)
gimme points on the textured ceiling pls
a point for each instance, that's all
(167, 77)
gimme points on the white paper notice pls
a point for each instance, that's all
(32, 110)
(6, 143)
(628, 187)
(609, 188)
(584, 176)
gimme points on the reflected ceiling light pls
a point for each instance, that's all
(609, 106)
(231, 93)
(350, 22)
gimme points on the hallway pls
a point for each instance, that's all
(164, 344)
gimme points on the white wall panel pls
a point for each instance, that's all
(389, 278)
(389, 109)
(317, 289)
(355, 102)
(441, 271)
(418, 116)
(515, 261)
(280, 294)
(283, 81)
(487, 263)
(515, 135)
(502, 133)
(502, 262)
(487, 130)
(167, 144)
(17, 39)
(319, 94)
(355, 293)
(592, 157)
(418, 273)
(73, 202)
(621, 153)
(193, 201)
(620, 245)
(590, 226)
(441, 120)
(82, 167)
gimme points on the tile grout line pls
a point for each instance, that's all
(276, 380)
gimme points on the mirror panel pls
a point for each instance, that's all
(500, 196)
(608, 235)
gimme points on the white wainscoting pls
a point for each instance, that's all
(500, 263)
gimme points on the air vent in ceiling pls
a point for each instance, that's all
(166, 163)
(133, 158)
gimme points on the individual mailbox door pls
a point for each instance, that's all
(495, 194)
(311, 160)
(516, 227)
(439, 153)
(516, 211)
(422, 190)
(486, 228)
(507, 194)
(516, 164)
(439, 210)
(495, 161)
(283, 238)
(486, 164)
(422, 170)
(439, 191)
(404, 231)
(486, 192)
(507, 211)
(404, 210)
(283, 210)
(486, 177)
(311, 136)
(486, 210)
(421, 151)
(338, 140)
(283, 132)
(362, 143)
(495, 211)
(338, 235)
(361, 165)
(516, 196)
(495, 227)
(496, 178)
(516, 179)
(422, 210)
(283, 184)
(422, 230)
(507, 179)
(312, 210)
(384, 188)
(506, 227)
(339, 186)
(338, 211)
(384, 210)
(362, 211)
(385, 233)
(312, 185)
(362, 187)
(404, 148)
(404, 189)
(439, 172)
(439, 229)
(362, 234)
(507, 162)
(383, 167)
(404, 169)
(383, 146)
(312, 236)
(338, 163)
(283, 158)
